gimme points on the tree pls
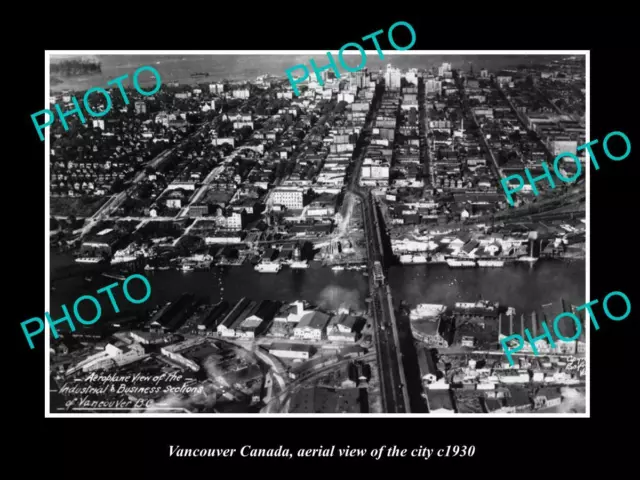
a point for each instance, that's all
(226, 149)
(225, 129)
(190, 243)
(194, 118)
(340, 107)
(145, 190)
(117, 186)
(246, 131)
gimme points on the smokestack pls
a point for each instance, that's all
(499, 326)
(522, 324)
(534, 320)
(511, 324)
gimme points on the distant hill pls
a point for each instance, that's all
(74, 67)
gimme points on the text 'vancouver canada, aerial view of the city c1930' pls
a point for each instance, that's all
(348, 250)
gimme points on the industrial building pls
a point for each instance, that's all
(311, 326)
(509, 324)
(344, 328)
(212, 319)
(230, 325)
(189, 353)
(292, 350)
(172, 316)
(258, 322)
(112, 356)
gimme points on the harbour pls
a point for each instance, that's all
(518, 284)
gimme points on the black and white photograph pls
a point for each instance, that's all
(305, 234)
(379, 245)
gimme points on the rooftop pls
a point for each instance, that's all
(315, 319)
(291, 347)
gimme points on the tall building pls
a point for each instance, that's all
(216, 88)
(392, 78)
(141, 107)
(444, 70)
(327, 75)
(290, 197)
(412, 76)
(433, 86)
(362, 78)
(241, 93)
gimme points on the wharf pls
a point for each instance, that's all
(114, 276)
(230, 263)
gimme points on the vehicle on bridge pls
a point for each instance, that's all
(378, 274)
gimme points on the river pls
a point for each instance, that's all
(518, 286)
(522, 287)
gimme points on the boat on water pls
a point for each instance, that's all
(89, 259)
(356, 268)
(455, 263)
(437, 258)
(479, 305)
(187, 268)
(299, 265)
(114, 276)
(337, 268)
(128, 254)
(427, 310)
(268, 267)
(123, 259)
(490, 263)
(411, 259)
(405, 259)
(527, 259)
(530, 259)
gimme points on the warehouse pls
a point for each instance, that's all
(292, 350)
(311, 326)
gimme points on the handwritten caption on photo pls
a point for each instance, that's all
(82, 395)
(384, 451)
